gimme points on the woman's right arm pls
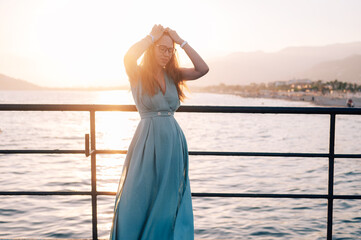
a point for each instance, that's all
(131, 57)
(135, 51)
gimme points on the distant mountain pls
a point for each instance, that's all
(9, 83)
(347, 70)
(294, 62)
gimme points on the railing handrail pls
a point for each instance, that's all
(183, 108)
(92, 108)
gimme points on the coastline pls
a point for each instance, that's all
(329, 100)
(320, 100)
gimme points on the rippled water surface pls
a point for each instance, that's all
(215, 218)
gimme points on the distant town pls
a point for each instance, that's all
(322, 93)
(296, 85)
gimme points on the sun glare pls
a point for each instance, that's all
(116, 127)
(115, 97)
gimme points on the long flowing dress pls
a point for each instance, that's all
(153, 201)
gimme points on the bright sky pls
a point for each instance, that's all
(82, 42)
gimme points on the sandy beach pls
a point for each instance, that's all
(335, 102)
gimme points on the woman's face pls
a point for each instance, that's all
(163, 50)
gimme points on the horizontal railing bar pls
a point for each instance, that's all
(347, 196)
(264, 154)
(274, 154)
(259, 195)
(67, 107)
(54, 239)
(66, 239)
(347, 155)
(184, 108)
(45, 193)
(204, 153)
(262, 195)
(15, 151)
(256, 195)
(240, 195)
(57, 239)
(111, 151)
(279, 110)
(56, 151)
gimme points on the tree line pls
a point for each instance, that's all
(315, 86)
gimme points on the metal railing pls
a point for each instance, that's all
(92, 151)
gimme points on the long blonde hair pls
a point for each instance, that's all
(147, 73)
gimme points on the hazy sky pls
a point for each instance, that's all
(82, 42)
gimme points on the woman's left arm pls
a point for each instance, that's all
(200, 67)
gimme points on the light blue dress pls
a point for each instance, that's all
(153, 200)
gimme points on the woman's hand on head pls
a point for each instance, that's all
(157, 31)
(174, 35)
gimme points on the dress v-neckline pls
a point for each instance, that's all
(165, 85)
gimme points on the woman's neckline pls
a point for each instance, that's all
(165, 84)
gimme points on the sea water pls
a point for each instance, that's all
(214, 218)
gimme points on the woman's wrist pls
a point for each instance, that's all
(152, 37)
(183, 43)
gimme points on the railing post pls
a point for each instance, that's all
(331, 163)
(87, 153)
(93, 175)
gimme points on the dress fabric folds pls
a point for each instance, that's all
(153, 201)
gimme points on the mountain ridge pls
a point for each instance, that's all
(242, 68)
(9, 83)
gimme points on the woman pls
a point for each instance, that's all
(153, 200)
